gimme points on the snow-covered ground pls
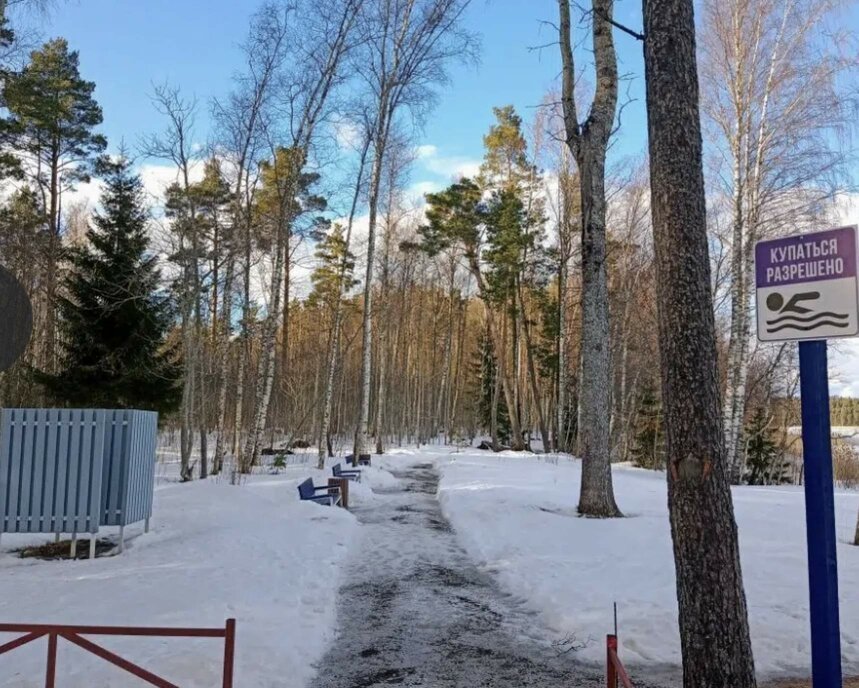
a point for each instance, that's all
(516, 515)
(253, 552)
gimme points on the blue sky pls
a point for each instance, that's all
(127, 46)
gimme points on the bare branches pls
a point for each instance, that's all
(568, 99)
(176, 142)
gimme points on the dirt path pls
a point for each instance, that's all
(419, 613)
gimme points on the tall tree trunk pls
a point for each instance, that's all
(532, 374)
(713, 617)
(499, 348)
(561, 408)
(493, 413)
(186, 433)
(457, 378)
(588, 144)
(223, 349)
(736, 364)
(284, 329)
(54, 245)
(440, 416)
(378, 422)
(597, 491)
(246, 342)
(334, 339)
(362, 431)
(268, 339)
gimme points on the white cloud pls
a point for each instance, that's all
(847, 208)
(427, 151)
(156, 178)
(416, 191)
(347, 134)
(450, 167)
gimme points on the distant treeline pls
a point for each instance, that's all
(843, 411)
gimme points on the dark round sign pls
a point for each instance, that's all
(16, 319)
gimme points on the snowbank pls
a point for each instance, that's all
(517, 516)
(253, 552)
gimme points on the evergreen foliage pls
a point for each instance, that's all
(53, 115)
(648, 447)
(488, 379)
(764, 463)
(114, 320)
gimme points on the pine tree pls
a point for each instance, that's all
(333, 278)
(114, 321)
(53, 117)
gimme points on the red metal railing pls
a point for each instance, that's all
(73, 634)
(614, 670)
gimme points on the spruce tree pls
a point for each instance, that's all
(648, 449)
(764, 465)
(114, 319)
(488, 376)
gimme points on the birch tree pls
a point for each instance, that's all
(176, 145)
(408, 46)
(588, 141)
(241, 120)
(714, 629)
(343, 283)
(777, 113)
(323, 41)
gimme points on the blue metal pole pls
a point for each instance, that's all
(820, 516)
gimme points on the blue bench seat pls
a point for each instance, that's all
(338, 472)
(307, 491)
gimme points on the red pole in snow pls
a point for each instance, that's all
(611, 653)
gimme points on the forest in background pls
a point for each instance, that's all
(299, 292)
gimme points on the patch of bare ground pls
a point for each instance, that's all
(806, 683)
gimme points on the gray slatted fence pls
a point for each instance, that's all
(73, 470)
(129, 467)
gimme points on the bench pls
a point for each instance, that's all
(307, 491)
(338, 472)
(363, 459)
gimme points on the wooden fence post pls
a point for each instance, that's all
(229, 652)
(51, 672)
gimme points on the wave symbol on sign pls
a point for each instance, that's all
(793, 316)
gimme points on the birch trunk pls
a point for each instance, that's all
(334, 341)
(246, 343)
(223, 348)
(734, 405)
(265, 369)
(362, 431)
(268, 340)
